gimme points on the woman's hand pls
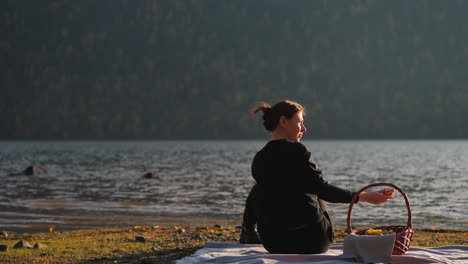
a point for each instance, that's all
(374, 197)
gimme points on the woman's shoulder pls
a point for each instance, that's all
(288, 146)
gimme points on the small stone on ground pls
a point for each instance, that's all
(141, 238)
(23, 244)
(40, 245)
(4, 247)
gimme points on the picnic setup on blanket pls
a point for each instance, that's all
(383, 244)
(370, 245)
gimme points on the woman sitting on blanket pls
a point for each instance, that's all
(286, 204)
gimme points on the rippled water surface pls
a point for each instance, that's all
(91, 184)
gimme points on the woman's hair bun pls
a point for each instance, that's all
(266, 110)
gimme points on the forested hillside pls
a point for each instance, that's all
(191, 69)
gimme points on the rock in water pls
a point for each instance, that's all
(40, 246)
(4, 248)
(151, 175)
(31, 170)
(34, 170)
(23, 244)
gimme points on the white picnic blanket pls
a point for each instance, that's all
(219, 252)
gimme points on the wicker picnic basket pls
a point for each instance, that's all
(403, 233)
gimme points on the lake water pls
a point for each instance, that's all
(99, 183)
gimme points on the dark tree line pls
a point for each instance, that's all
(115, 69)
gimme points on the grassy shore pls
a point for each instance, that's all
(163, 244)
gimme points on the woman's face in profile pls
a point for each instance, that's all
(294, 127)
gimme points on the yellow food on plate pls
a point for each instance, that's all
(377, 232)
(373, 232)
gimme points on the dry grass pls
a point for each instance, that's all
(165, 244)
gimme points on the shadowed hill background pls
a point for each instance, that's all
(181, 69)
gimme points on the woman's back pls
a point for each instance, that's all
(279, 172)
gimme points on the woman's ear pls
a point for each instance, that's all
(282, 121)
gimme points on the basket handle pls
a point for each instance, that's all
(355, 197)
